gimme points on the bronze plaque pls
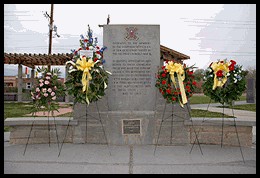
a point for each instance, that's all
(131, 126)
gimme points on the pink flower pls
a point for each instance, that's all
(44, 90)
(53, 98)
(46, 82)
(41, 84)
(37, 89)
(41, 80)
(52, 93)
(55, 88)
(48, 78)
(45, 94)
(49, 90)
(33, 97)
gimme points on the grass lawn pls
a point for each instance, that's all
(247, 107)
(15, 109)
(202, 99)
(204, 113)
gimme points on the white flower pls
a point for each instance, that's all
(228, 74)
(235, 80)
(90, 47)
(98, 56)
(209, 69)
(235, 75)
(41, 80)
(55, 88)
(33, 97)
(53, 98)
(55, 74)
(49, 90)
(48, 73)
(210, 75)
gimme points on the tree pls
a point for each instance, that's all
(198, 74)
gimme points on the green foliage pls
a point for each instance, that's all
(231, 90)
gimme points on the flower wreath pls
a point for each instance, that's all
(224, 81)
(46, 90)
(87, 79)
(176, 82)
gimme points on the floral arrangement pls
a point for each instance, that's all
(224, 81)
(87, 79)
(46, 90)
(176, 82)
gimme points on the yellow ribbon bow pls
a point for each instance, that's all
(219, 66)
(177, 68)
(85, 66)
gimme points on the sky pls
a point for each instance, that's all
(205, 32)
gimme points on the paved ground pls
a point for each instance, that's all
(96, 159)
(108, 159)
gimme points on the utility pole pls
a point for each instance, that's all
(50, 33)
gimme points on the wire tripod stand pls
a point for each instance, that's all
(171, 116)
(222, 128)
(88, 116)
(48, 127)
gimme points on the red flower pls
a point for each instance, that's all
(79, 49)
(158, 76)
(194, 83)
(176, 93)
(164, 82)
(190, 72)
(188, 82)
(95, 59)
(232, 62)
(87, 48)
(97, 47)
(187, 87)
(219, 73)
(85, 40)
(168, 91)
(189, 90)
(163, 75)
(173, 98)
(97, 52)
(163, 67)
(231, 67)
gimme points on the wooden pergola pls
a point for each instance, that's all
(32, 60)
(170, 54)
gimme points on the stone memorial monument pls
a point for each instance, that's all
(132, 108)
